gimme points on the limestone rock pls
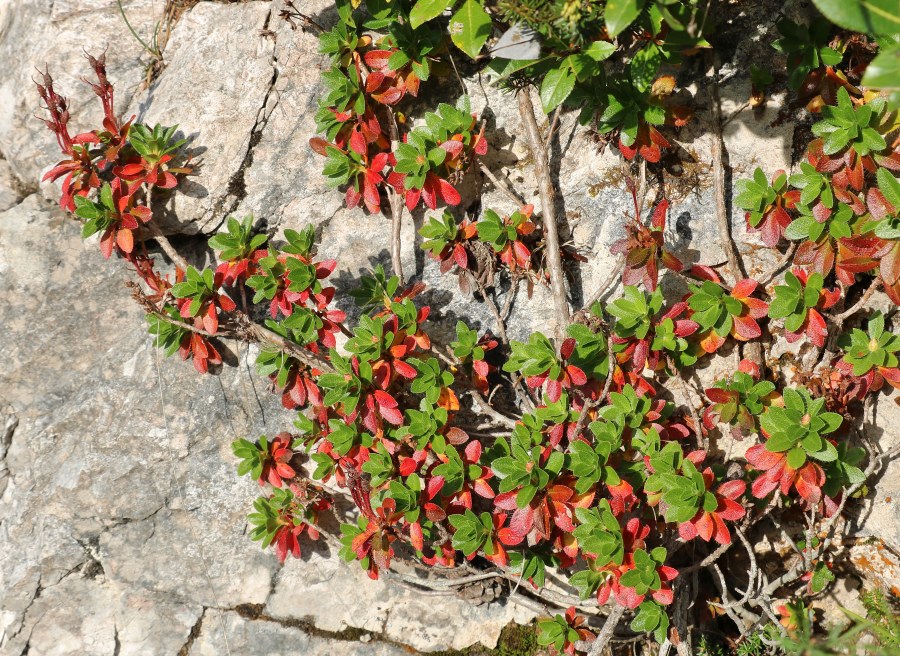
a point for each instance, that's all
(340, 595)
(35, 34)
(218, 78)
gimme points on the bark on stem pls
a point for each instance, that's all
(548, 211)
(606, 633)
(397, 205)
(753, 350)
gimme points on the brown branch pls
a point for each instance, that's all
(689, 401)
(606, 284)
(718, 147)
(489, 300)
(606, 633)
(150, 308)
(258, 333)
(499, 184)
(590, 405)
(552, 129)
(166, 245)
(846, 314)
(548, 211)
(397, 205)
(491, 412)
(785, 259)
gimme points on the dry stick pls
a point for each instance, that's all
(689, 401)
(499, 184)
(734, 260)
(489, 410)
(783, 262)
(489, 300)
(258, 333)
(397, 205)
(843, 316)
(606, 633)
(553, 124)
(607, 284)
(590, 405)
(521, 393)
(548, 211)
(166, 245)
(753, 349)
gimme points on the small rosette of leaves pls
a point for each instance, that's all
(799, 302)
(282, 517)
(720, 313)
(504, 235)
(644, 337)
(199, 297)
(738, 400)
(872, 352)
(237, 248)
(560, 633)
(644, 251)
(767, 204)
(796, 443)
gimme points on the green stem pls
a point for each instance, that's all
(135, 34)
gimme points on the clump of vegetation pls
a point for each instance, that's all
(582, 465)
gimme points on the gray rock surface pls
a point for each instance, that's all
(53, 33)
(122, 523)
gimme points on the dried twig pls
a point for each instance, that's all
(548, 211)
(607, 284)
(397, 205)
(688, 400)
(554, 122)
(783, 262)
(718, 170)
(860, 304)
(490, 411)
(166, 245)
(499, 184)
(606, 633)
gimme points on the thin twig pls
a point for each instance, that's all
(606, 284)
(783, 262)
(257, 333)
(590, 405)
(843, 316)
(166, 245)
(606, 633)
(554, 122)
(499, 184)
(489, 300)
(689, 401)
(734, 259)
(490, 411)
(548, 211)
(397, 205)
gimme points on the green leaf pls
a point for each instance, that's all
(425, 10)
(869, 16)
(470, 27)
(556, 87)
(884, 71)
(620, 14)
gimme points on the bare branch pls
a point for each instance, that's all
(166, 245)
(499, 184)
(548, 211)
(606, 633)
(397, 206)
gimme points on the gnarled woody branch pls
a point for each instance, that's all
(548, 211)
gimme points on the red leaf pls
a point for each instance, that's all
(460, 256)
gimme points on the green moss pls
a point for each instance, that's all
(515, 640)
